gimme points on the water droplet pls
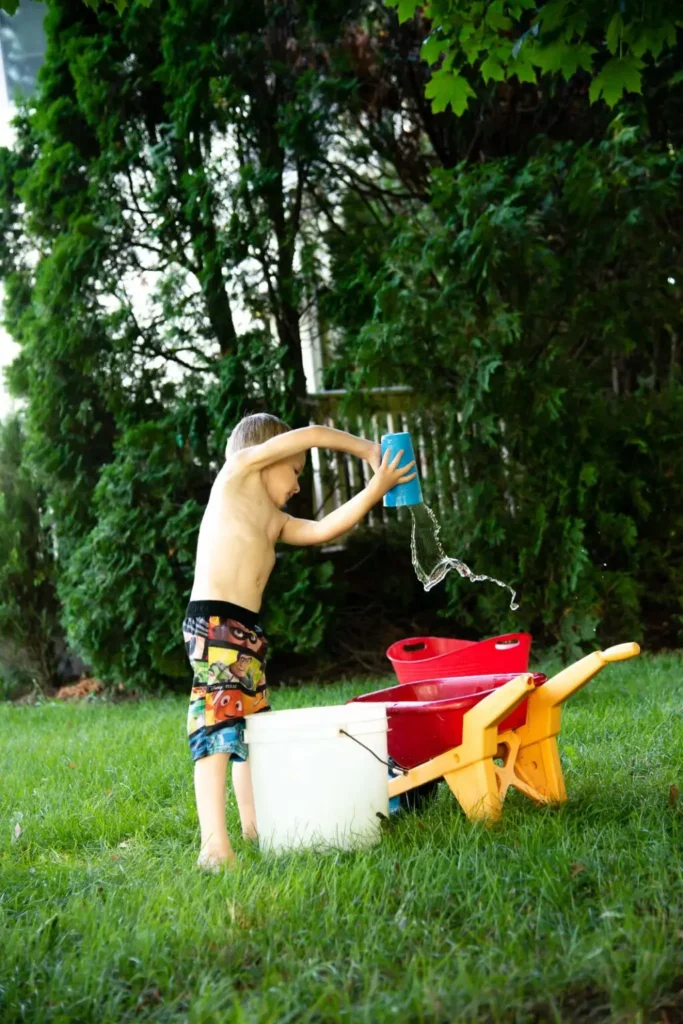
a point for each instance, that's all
(430, 561)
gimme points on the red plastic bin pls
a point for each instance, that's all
(425, 718)
(420, 658)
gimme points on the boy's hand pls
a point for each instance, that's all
(387, 474)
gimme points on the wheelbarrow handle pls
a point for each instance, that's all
(621, 652)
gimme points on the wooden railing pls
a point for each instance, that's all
(337, 476)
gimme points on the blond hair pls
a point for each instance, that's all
(254, 429)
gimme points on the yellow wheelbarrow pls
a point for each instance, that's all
(528, 751)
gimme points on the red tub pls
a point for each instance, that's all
(425, 718)
(421, 658)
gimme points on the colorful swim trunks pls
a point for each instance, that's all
(226, 648)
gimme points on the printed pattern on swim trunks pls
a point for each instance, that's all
(229, 682)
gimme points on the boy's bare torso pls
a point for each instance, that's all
(236, 546)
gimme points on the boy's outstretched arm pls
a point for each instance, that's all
(293, 442)
(339, 522)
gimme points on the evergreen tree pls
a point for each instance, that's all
(31, 637)
(155, 195)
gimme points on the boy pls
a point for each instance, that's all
(243, 521)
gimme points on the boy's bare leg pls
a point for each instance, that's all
(209, 787)
(241, 780)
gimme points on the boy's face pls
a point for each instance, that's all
(281, 480)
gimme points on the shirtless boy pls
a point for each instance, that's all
(243, 521)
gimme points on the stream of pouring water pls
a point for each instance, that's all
(426, 551)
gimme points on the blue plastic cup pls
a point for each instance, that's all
(402, 494)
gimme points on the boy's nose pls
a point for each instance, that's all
(296, 488)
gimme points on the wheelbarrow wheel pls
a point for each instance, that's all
(416, 799)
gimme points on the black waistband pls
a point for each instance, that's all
(224, 610)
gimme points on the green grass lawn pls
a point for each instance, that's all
(554, 914)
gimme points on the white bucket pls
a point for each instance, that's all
(313, 786)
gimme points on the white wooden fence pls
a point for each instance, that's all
(338, 476)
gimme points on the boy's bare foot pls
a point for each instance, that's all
(251, 835)
(214, 858)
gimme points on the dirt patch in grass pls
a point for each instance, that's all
(84, 689)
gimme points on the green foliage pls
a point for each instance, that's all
(127, 584)
(11, 6)
(515, 305)
(169, 183)
(299, 614)
(152, 202)
(445, 89)
(496, 40)
(124, 585)
(30, 633)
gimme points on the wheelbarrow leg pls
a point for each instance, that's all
(469, 769)
(535, 770)
(537, 762)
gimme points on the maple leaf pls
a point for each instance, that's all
(432, 48)
(563, 57)
(446, 88)
(406, 8)
(496, 17)
(523, 69)
(491, 68)
(619, 74)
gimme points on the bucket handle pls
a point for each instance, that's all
(390, 764)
